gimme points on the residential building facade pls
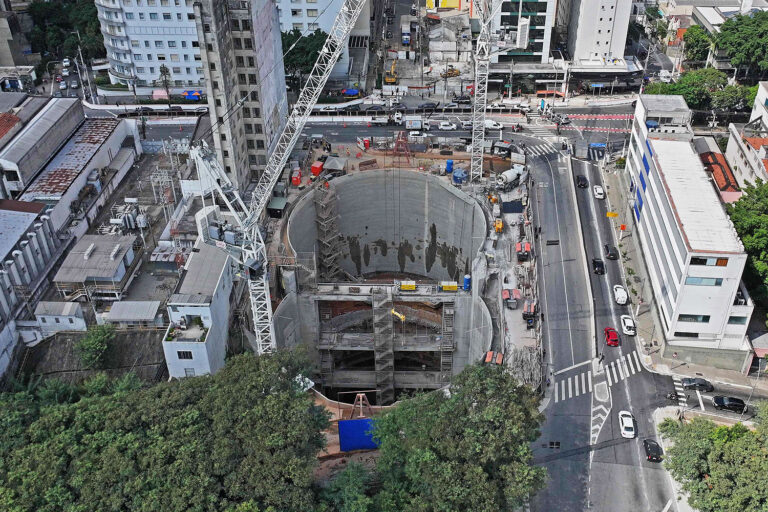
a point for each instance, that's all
(597, 31)
(243, 63)
(534, 17)
(747, 149)
(142, 35)
(694, 258)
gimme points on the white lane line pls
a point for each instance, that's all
(621, 373)
(583, 382)
(570, 389)
(637, 361)
(576, 385)
(557, 399)
(631, 364)
(558, 372)
(701, 402)
(667, 506)
(589, 379)
(562, 389)
(608, 375)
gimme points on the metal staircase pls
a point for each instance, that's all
(326, 220)
(446, 343)
(383, 346)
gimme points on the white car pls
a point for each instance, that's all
(66, 62)
(74, 85)
(466, 125)
(493, 125)
(598, 191)
(414, 133)
(627, 425)
(329, 108)
(63, 85)
(65, 72)
(620, 294)
(628, 326)
(446, 126)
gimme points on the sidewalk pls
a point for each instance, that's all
(650, 336)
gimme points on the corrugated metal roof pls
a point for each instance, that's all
(67, 165)
(77, 269)
(133, 310)
(15, 219)
(58, 309)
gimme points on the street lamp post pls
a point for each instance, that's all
(85, 67)
(48, 70)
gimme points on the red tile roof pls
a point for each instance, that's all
(21, 206)
(716, 164)
(756, 142)
(765, 164)
(7, 122)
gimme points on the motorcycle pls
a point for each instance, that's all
(672, 396)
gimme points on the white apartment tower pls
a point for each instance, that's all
(693, 255)
(142, 35)
(597, 31)
(242, 59)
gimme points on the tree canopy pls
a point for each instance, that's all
(722, 468)
(468, 451)
(703, 89)
(750, 218)
(745, 39)
(54, 26)
(697, 44)
(247, 436)
(92, 348)
(302, 57)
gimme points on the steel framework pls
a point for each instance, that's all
(249, 248)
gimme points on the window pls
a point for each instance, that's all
(151, 69)
(146, 44)
(158, 44)
(177, 70)
(189, 372)
(167, 16)
(240, 62)
(235, 25)
(295, 12)
(206, 27)
(223, 136)
(149, 56)
(245, 24)
(139, 70)
(737, 320)
(312, 13)
(209, 47)
(247, 43)
(212, 66)
(45, 321)
(259, 144)
(184, 354)
(236, 41)
(704, 281)
(57, 320)
(174, 57)
(153, 15)
(137, 57)
(702, 319)
(160, 56)
(679, 334)
(710, 262)
(298, 26)
(164, 3)
(171, 44)
(135, 44)
(250, 144)
(129, 15)
(72, 321)
(190, 16)
(178, 16)
(141, 15)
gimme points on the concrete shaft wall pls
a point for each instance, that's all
(398, 221)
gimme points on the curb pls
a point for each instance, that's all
(590, 297)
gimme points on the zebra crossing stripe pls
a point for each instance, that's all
(562, 389)
(637, 360)
(589, 379)
(631, 364)
(608, 374)
(570, 388)
(621, 373)
(583, 378)
(624, 366)
(556, 397)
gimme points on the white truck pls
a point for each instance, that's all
(405, 30)
(384, 120)
(511, 178)
(415, 123)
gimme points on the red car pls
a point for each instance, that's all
(59, 78)
(611, 337)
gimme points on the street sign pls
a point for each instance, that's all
(611, 214)
(623, 227)
(542, 105)
(597, 86)
(597, 145)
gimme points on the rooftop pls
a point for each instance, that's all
(133, 311)
(7, 122)
(94, 256)
(702, 219)
(721, 172)
(664, 102)
(15, 219)
(58, 309)
(67, 165)
(756, 142)
(9, 100)
(203, 270)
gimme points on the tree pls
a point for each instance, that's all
(346, 493)
(302, 52)
(695, 86)
(165, 81)
(750, 218)
(717, 465)
(245, 440)
(697, 44)
(745, 40)
(731, 97)
(92, 348)
(467, 451)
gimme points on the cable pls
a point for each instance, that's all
(239, 103)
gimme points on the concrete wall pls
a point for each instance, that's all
(398, 221)
(471, 342)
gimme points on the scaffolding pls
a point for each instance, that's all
(383, 345)
(326, 220)
(446, 343)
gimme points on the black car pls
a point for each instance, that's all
(462, 99)
(176, 108)
(697, 384)
(729, 403)
(429, 105)
(611, 252)
(652, 450)
(581, 181)
(352, 108)
(144, 110)
(598, 267)
(375, 108)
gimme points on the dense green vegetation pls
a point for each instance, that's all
(704, 89)
(745, 39)
(722, 468)
(246, 440)
(697, 44)
(94, 346)
(750, 218)
(301, 58)
(54, 26)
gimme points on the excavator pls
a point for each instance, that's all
(390, 77)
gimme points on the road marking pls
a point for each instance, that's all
(631, 364)
(621, 373)
(589, 379)
(556, 397)
(668, 505)
(637, 360)
(624, 366)
(583, 379)
(701, 402)
(570, 389)
(608, 375)
(562, 390)
(572, 367)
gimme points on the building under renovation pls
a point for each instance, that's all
(373, 270)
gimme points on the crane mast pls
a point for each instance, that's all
(248, 247)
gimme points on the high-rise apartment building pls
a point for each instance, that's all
(597, 31)
(535, 18)
(142, 35)
(242, 58)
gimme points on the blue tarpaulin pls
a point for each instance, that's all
(192, 95)
(350, 92)
(355, 435)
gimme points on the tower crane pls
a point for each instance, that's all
(486, 10)
(246, 244)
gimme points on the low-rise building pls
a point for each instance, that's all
(747, 150)
(53, 317)
(693, 255)
(199, 311)
(99, 267)
(128, 314)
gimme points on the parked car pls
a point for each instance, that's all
(74, 84)
(627, 425)
(450, 105)
(697, 384)
(446, 126)
(65, 72)
(429, 105)
(66, 62)
(466, 125)
(462, 99)
(628, 325)
(59, 78)
(598, 267)
(352, 108)
(144, 110)
(729, 403)
(414, 133)
(652, 450)
(63, 85)
(598, 191)
(620, 295)
(581, 181)
(175, 108)
(493, 125)
(611, 337)
(375, 108)
(611, 252)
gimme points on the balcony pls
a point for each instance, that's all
(189, 329)
(107, 4)
(113, 20)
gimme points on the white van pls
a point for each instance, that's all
(493, 125)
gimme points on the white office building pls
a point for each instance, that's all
(691, 250)
(307, 16)
(527, 30)
(747, 150)
(597, 34)
(142, 35)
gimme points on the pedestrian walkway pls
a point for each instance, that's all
(539, 131)
(541, 149)
(682, 398)
(580, 384)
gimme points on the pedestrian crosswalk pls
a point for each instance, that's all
(539, 131)
(580, 384)
(682, 398)
(541, 149)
